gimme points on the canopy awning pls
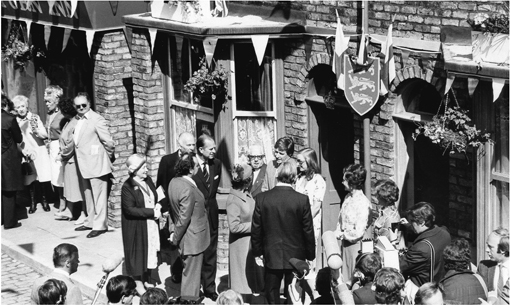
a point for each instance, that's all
(89, 15)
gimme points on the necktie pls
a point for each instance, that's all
(206, 174)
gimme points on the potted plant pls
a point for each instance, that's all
(453, 130)
(490, 37)
(210, 83)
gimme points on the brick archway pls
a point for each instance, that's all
(438, 80)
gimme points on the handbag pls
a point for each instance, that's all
(27, 168)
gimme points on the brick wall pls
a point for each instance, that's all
(413, 19)
(112, 73)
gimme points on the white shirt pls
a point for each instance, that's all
(255, 174)
(501, 268)
(61, 271)
(77, 129)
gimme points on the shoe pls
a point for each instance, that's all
(33, 208)
(46, 207)
(213, 296)
(82, 228)
(81, 220)
(15, 226)
(176, 279)
(61, 216)
(95, 233)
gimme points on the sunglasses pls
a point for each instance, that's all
(256, 157)
(81, 106)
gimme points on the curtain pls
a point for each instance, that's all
(255, 131)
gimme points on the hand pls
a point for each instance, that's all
(259, 261)
(171, 238)
(339, 234)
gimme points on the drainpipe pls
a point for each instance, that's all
(366, 120)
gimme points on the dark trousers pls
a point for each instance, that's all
(208, 275)
(9, 216)
(273, 280)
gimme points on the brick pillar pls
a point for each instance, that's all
(149, 113)
(112, 73)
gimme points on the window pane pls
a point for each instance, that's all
(502, 215)
(253, 81)
(180, 67)
(501, 147)
(255, 131)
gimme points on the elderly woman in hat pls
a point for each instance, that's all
(140, 212)
(245, 276)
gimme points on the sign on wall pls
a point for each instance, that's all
(362, 84)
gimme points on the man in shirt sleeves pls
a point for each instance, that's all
(282, 228)
(94, 149)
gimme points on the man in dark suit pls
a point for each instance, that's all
(208, 179)
(12, 178)
(190, 228)
(282, 228)
(495, 272)
(256, 159)
(166, 173)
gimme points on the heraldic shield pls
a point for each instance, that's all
(362, 84)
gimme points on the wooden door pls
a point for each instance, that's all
(331, 135)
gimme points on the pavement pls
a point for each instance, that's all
(32, 245)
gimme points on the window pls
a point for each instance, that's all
(253, 98)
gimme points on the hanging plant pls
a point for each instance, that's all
(453, 131)
(17, 50)
(206, 82)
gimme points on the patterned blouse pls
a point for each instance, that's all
(353, 217)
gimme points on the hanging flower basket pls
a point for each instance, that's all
(208, 83)
(17, 51)
(452, 131)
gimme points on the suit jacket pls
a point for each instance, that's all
(134, 225)
(94, 146)
(210, 194)
(189, 216)
(12, 178)
(462, 287)
(282, 227)
(364, 295)
(166, 171)
(256, 187)
(415, 264)
(487, 269)
(73, 296)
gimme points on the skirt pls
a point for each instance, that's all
(57, 169)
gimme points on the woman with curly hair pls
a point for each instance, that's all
(388, 287)
(461, 285)
(244, 273)
(35, 153)
(353, 217)
(386, 192)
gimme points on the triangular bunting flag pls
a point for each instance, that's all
(128, 34)
(362, 54)
(260, 43)
(341, 45)
(152, 34)
(67, 34)
(209, 47)
(47, 34)
(74, 6)
(90, 39)
(114, 5)
(497, 87)
(157, 8)
(51, 3)
(388, 69)
(449, 82)
(308, 48)
(472, 84)
(29, 24)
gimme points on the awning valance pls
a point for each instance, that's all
(88, 15)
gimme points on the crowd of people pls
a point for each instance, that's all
(274, 214)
